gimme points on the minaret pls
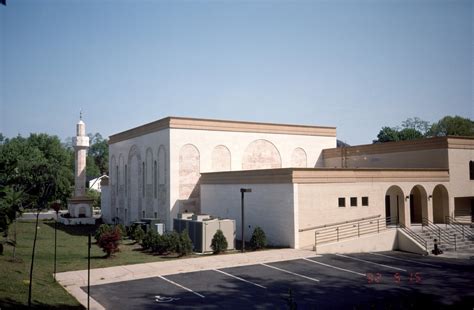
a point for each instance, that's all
(79, 206)
(81, 144)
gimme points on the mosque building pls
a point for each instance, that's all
(300, 180)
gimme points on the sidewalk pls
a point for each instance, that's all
(72, 281)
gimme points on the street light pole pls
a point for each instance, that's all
(56, 206)
(242, 191)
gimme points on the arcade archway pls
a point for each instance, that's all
(418, 204)
(394, 205)
(440, 204)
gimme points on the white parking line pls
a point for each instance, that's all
(183, 287)
(369, 262)
(238, 278)
(295, 274)
(330, 266)
(406, 260)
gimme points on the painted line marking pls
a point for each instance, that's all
(406, 260)
(183, 287)
(293, 273)
(330, 266)
(239, 278)
(369, 262)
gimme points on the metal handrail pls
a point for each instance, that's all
(414, 235)
(443, 236)
(459, 227)
(339, 223)
(329, 233)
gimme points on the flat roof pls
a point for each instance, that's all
(222, 125)
(452, 142)
(325, 175)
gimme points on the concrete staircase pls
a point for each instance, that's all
(448, 242)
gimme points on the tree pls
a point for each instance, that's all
(258, 239)
(93, 194)
(416, 124)
(10, 207)
(415, 128)
(38, 166)
(452, 126)
(387, 134)
(219, 242)
(99, 152)
(109, 241)
(409, 134)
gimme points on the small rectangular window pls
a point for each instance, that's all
(365, 201)
(353, 201)
(471, 170)
(342, 202)
(143, 214)
(156, 215)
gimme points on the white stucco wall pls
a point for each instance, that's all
(435, 158)
(119, 156)
(206, 141)
(383, 241)
(461, 185)
(270, 206)
(318, 203)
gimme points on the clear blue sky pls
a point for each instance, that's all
(356, 65)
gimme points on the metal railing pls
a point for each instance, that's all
(459, 227)
(442, 235)
(350, 229)
(414, 236)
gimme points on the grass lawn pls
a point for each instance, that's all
(71, 255)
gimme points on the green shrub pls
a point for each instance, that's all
(185, 245)
(131, 230)
(258, 240)
(160, 244)
(102, 228)
(219, 242)
(173, 241)
(123, 230)
(109, 241)
(148, 239)
(138, 234)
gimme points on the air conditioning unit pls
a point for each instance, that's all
(160, 228)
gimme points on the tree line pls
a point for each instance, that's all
(416, 128)
(39, 169)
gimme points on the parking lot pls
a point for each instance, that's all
(389, 280)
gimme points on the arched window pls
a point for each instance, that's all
(155, 179)
(126, 181)
(143, 179)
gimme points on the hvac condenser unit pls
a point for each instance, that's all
(201, 229)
